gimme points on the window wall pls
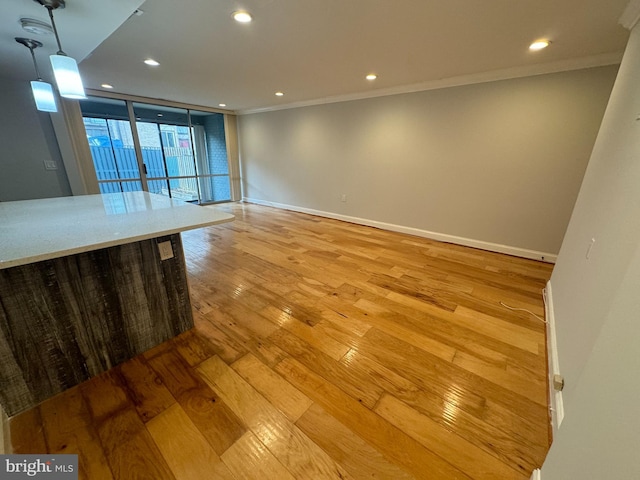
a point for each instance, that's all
(111, 143)
(212, 163)
(176, 152)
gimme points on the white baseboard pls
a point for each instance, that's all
(536, 475)
(442, 237)
(557, 405)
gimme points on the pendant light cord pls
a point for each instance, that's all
(55, 30)
(35, 64)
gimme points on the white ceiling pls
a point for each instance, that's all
(320, 50)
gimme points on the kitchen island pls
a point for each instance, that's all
(86, 283)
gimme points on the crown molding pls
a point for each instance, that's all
(492, 76)
(631, 15)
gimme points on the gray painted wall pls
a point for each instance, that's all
(597, 301)
(27, 139)
(498, 162)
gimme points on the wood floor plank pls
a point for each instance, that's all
(345, 322)
(531, 387)
(428, 373)
(506, 437)
(325, 344)
(431, 296)
(220, 426)
(104, 395)
(441, 327)
(533, 303)
(130, 449)
(520, 337)
(284, 396)
(394, 444)
(460, 271)
(418, 367)
(370, 371)
(183, 446)
(302, 457)
(248, 338)
(350, 381)
(127, 444)
(472, 460)
(84, 442)
(296, 303)
(249, 459)
(27, 432)
(69, 429)
(244, 317)
(408, 335)
(174, 372)
(214, 419)
(224, 346)
(194, 347)
(144, 388)
(359, 458)
(510, 435)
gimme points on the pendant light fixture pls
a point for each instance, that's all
(65, 68)
(42, 91)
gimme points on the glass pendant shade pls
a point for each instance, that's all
(43, 95)
(65, 69)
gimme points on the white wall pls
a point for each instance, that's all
(27, 139)
(498, 162)
(597, 300)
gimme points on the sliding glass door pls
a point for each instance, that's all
(170, 151)
(111, 144)
(165, 141)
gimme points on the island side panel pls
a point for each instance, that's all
(66, 320)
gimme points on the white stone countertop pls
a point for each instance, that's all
(35, 230)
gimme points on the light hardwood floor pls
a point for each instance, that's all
(321, 350)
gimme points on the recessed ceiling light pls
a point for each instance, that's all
(222, 104)
(151, 62)
(242, 16)
(371, 76)
(279, 94)
(539, 45)
(106, 85)
(160, 115)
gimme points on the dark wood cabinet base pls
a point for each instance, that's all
(66, 320)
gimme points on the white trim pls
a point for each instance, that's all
(535, 475)
(631, 15)
(442, 237)
(493, 76)
(555, 397)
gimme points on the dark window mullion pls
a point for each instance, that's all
(164, 160)
(113, 152)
